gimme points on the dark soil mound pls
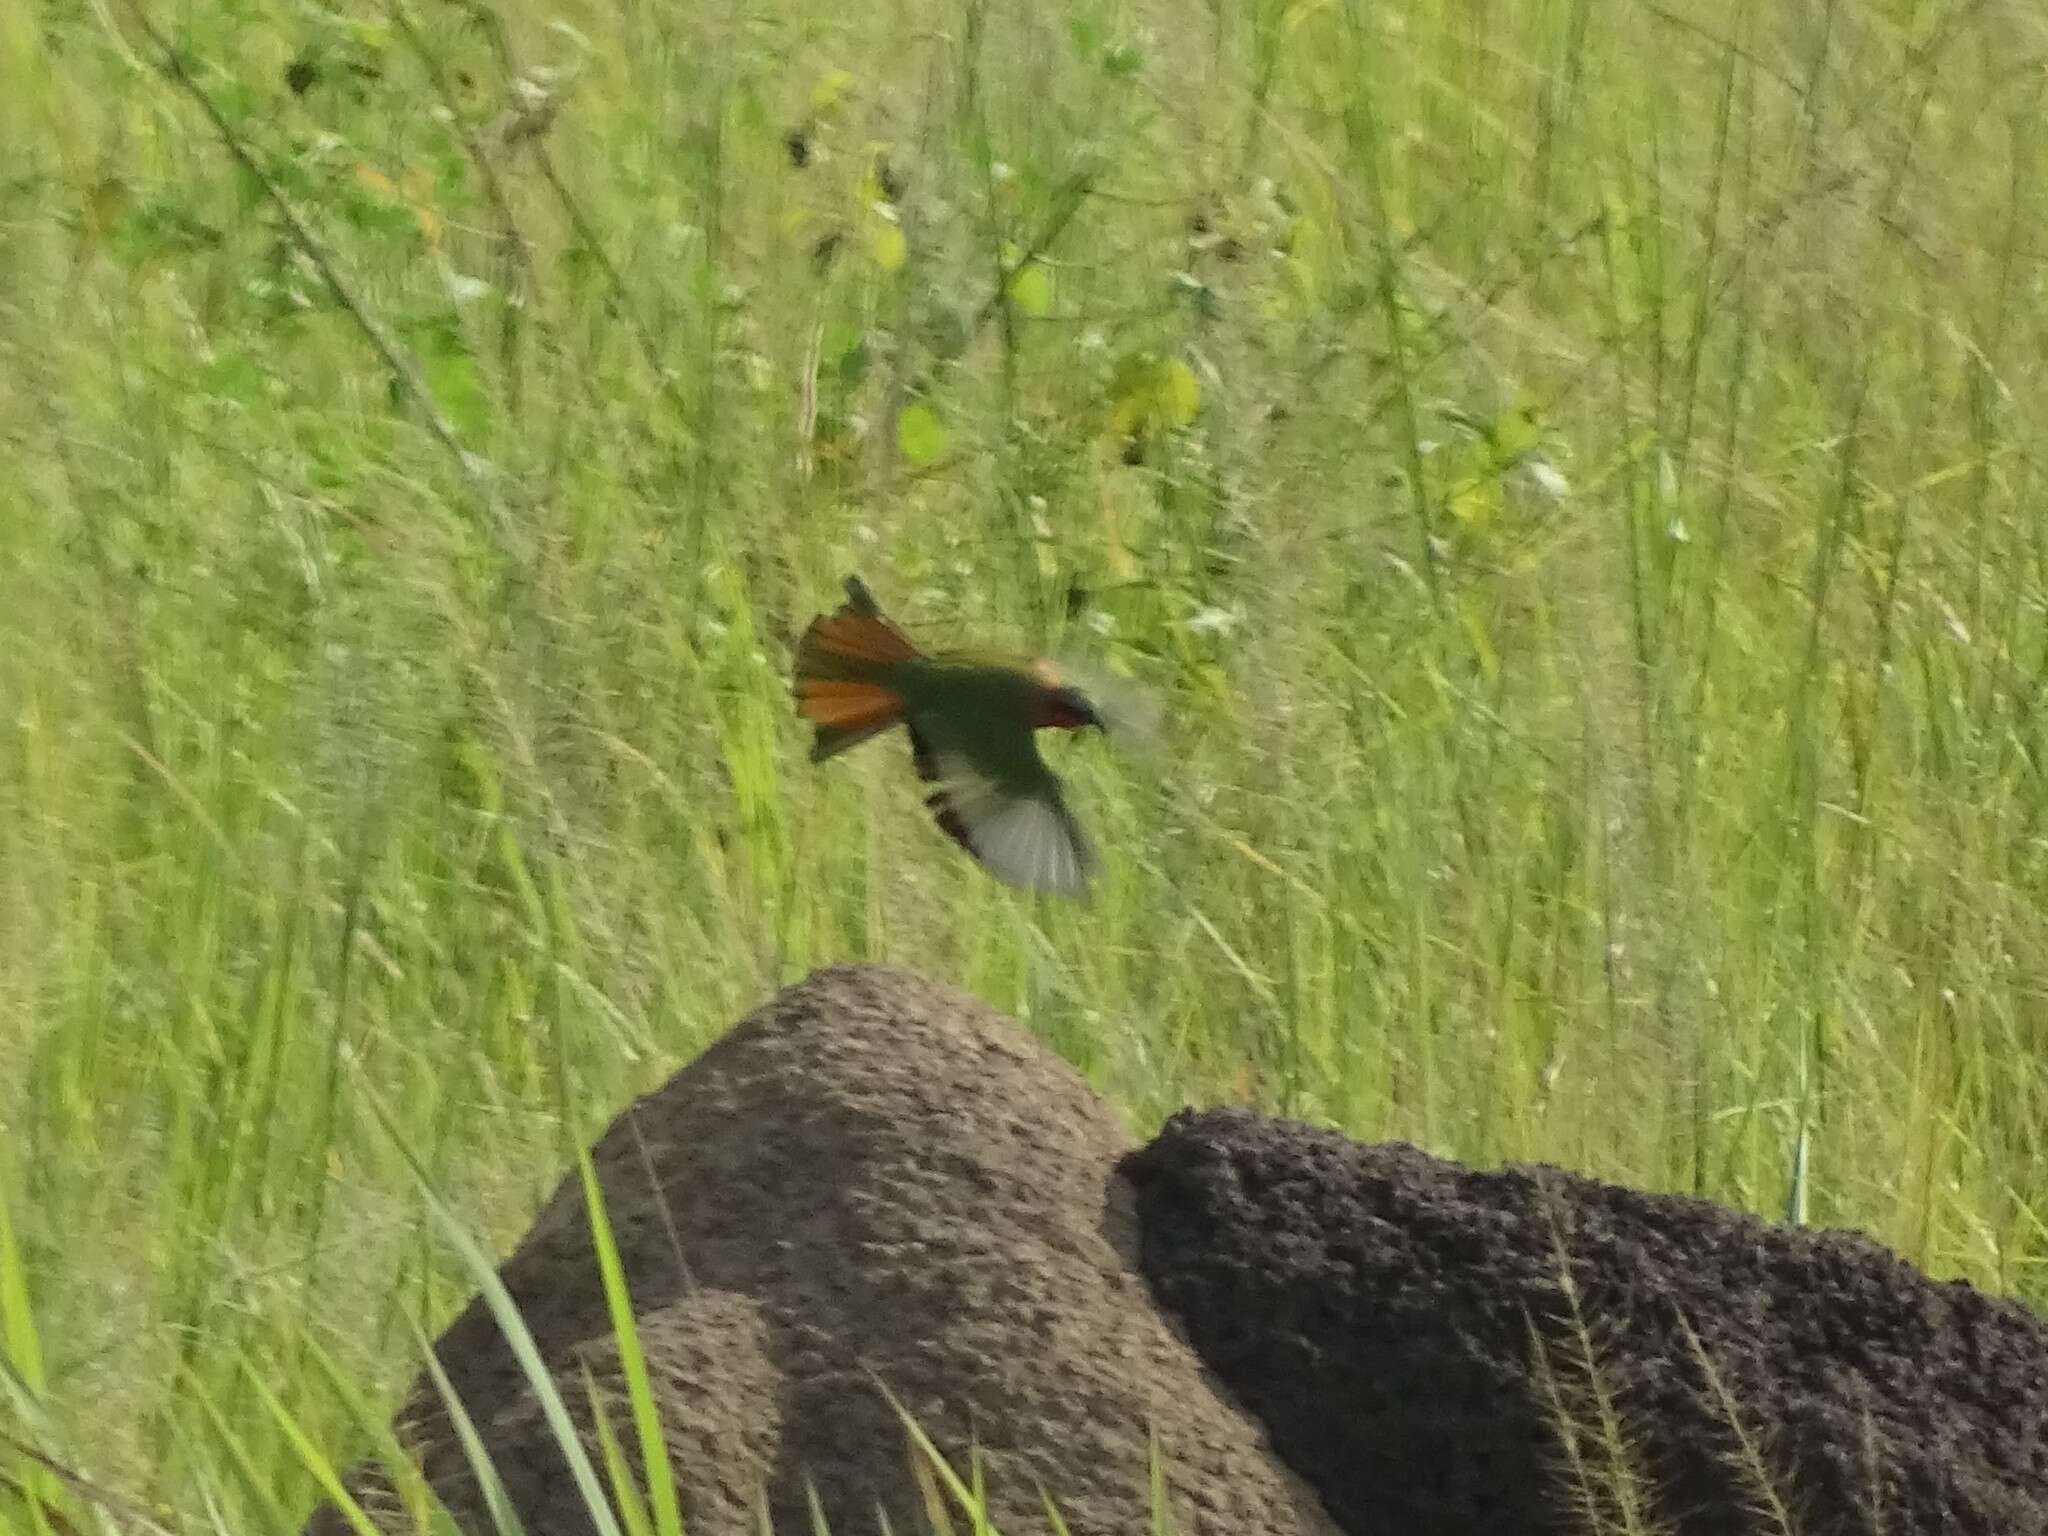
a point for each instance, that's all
(870, 1175)
(1377, 1308)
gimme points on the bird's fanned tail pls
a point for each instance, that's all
(841, 666)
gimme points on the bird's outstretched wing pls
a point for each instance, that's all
(1026, 838)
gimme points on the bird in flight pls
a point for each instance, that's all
(971, 720)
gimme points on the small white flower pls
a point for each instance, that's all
(1549, 479)
(462, 288)
(582, 42)
(1213, 621)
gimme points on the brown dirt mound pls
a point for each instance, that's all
(1374, 1306)
(870, 1174)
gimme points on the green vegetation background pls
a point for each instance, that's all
(1570, 470)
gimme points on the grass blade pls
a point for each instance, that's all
(503, 1516)
(514, 1328)
(661, 1483)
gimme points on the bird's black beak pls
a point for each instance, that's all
(1078, 707)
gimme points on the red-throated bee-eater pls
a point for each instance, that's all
(971, 720)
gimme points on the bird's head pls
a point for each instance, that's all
(1064, 707)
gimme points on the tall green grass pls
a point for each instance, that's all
(1570, 469)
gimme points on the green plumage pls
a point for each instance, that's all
(980, 711)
